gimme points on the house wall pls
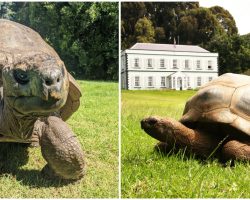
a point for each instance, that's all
(130, 71)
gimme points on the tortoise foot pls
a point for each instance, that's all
(236, 150)
(47, 172)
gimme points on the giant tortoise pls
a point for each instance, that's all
(37, 95)
(215, 121)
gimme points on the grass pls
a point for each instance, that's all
(96, 126)
(148, 174)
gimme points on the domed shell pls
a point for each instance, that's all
(225, 99)
(17, 40)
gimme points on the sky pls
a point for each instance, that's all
(239, 9)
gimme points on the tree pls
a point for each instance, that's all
(234, 55)
(205, 25)
(160, 34)
(225, 19)
(188, 29)
(144, 30)
(131, 12)
(5, 11)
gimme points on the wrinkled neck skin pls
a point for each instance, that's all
(17, 126)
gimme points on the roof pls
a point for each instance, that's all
(168, 47)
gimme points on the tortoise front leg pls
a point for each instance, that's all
(61, 149)
(175, 134)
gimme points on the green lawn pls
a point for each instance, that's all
(96, 125)
(148, 174)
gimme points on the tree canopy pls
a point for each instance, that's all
(84, 34)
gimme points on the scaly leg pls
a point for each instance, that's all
(61, 149)
(236, 150)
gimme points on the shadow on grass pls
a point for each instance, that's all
(15, 155)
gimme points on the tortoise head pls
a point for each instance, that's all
(36, 84)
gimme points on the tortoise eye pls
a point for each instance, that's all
(21, 76)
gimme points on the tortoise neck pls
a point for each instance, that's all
(14, 124)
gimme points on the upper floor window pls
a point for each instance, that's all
(150, 63)
(163, 81)
(137, 81)
(198, 81)
(186, 64)
(209, 66)
(175, 63)
(198, 64)
(150, 81)
(136, 62)
(162, 63)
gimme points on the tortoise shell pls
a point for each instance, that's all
(225, 99)
(17, 40)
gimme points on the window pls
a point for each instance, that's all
(136, 63)
(173, 82)
(149, 63)
(137, 81)
(198, 81)
(162, 63)
(175, 64)
(198, 64)
(150, 81)
(186, 64)
(185, 82)
(188, 81)
(163, 81)
(210, 78)
(209, 66)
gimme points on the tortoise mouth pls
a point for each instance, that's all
(35, 104)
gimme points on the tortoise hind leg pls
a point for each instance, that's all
(174, 133)
(61, 150)
(236, 150)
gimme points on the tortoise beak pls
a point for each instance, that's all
(52, 93)
(52, 84)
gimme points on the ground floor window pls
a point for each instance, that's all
(188, 81)
(137, 81)
(210, 78)
(185, 82)
(150, 81)
(163, 81)
(198, 81)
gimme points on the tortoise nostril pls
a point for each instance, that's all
(52, 77)
(152, 121)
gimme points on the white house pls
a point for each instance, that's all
(167, 66)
